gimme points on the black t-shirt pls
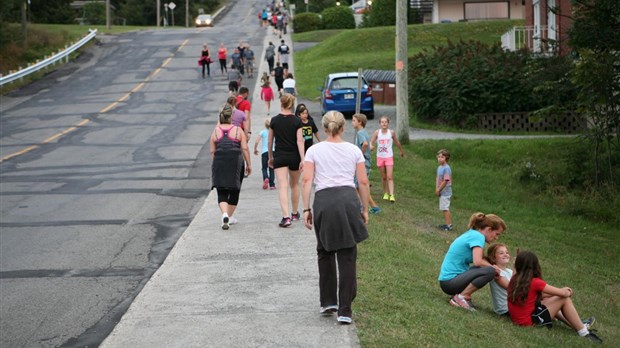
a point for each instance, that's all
(307, 131)
(285, 132)
(278, 72)
(283, 49)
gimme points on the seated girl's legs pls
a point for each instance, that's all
(295, 192)
(282, 178)
(555, 304)
(389, 171)
(469, 281)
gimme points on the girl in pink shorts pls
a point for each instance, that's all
(385, 138)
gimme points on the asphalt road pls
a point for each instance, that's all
(104, 164)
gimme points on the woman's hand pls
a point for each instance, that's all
(308, 219)
(364, 215)
(248, 170)
(270, 163)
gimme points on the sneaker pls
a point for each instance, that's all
(445, 227)
(593, 337)
(295, 216)
(392, 198)
(345, 320)
(588, 322)
(386, 196)
(328, 310)
(265, 184)
(272, 187)
(232, 220)
(459, 301)
(374, 210)
(286, 222)
(225, 221)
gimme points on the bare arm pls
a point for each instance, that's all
(502, 281)
(248, 126)
(306, 189)
(441, 187)
(212, 146)
(246, 154)
(300, 147)
(270, 147)
(398, 144)
(258, 140)
(373, 139)
(364, 146)
(479, 260)
(363, 188)
(561, 292)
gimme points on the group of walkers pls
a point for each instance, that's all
(241, 62)
(276, 16)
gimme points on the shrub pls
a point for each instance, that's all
(459, 80)
(95, 13)
(307, 21)
(339, 17)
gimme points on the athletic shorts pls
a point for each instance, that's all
(290, 160)
(444, 203)
(541, 316)
(384, 162)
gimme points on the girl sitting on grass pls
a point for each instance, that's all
(497, 254)
(533, 302)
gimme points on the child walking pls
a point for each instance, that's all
(358, 121)
(263, 139)
(443, 188)
(385, 138)
(309, 131)
(533, 302)
(266, 93)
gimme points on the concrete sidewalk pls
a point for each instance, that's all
(254, 285)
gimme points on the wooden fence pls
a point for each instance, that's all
(523, 122)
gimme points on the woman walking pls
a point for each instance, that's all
(229, 151)
(222, 53)
(337, 214)
(205, 59)
(287, 159)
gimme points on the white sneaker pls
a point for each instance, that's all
(225, 221)
(232, 220)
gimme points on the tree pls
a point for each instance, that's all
(339, 17)
(52, 12)
(595, 36)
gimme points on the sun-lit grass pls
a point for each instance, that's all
(399, 301)
(374, 48)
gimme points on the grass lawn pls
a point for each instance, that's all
(373, 48)
(399, 301)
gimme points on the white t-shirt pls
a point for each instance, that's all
(334, 163)
(499, 294)
(384, 144)
(288, 83)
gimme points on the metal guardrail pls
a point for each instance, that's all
(48, 61)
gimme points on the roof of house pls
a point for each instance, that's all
(380, 75)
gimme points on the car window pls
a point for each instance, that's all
(345, 83)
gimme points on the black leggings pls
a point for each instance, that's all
(477, 276)
(208, 69)
(223, 65)
(229, 196)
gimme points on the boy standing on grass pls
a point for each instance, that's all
(443, 187)
(361, 140)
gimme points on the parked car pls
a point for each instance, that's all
(339, 93)
(204, 20)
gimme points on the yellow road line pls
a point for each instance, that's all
(102, 111)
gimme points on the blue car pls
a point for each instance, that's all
(339, 93)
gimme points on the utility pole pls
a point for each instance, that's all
(187, 13)
(402, 90)
(158, 12)
(107, 14)
(25, 22)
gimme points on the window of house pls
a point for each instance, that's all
(487, 10)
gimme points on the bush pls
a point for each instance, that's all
(339, 17)
(95, 13)
(459, 80)
(307, 21)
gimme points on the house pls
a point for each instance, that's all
(546, 28)
(445, 11)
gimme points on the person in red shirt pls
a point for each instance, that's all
(533, 302)
(244, 105)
